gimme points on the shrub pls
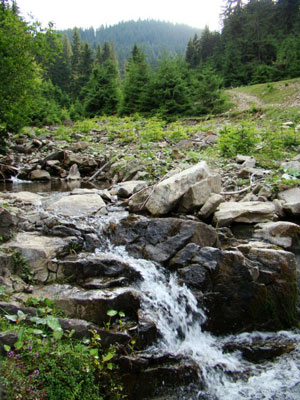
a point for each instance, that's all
(237, 140)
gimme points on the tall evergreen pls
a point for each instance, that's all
(135, 82)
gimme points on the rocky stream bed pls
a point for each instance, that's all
(207, 276)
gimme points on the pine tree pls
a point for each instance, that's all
(103, 90)
(135, 82)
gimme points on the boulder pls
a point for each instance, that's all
(200, 192)
(291, 198)
(166, 193)
(91, 305)
(78, 205)
(292, 165)
(37, 252)
(74, 173)
(241, 291)
(284, 234)
(247, 211)
(159, 239)
(40, 175)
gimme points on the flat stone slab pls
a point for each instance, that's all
(91, 305)
(247, 212)
(26, 197)
(81, 205)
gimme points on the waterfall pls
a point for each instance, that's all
(227, 376)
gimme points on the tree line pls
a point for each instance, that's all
(155, 37)
(259, 42)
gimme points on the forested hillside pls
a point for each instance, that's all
(155, 37)
(259, 42)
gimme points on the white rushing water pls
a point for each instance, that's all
(227, 375)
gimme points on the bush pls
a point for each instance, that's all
(237, 140)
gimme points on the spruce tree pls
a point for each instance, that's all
(135, 82)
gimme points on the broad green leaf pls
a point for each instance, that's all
(94, 352)
(110, 366)
(12, 318)
(58, 334)
(112, 313)
(107, 357)
(53, 323)
(18, 345)
(7, 347)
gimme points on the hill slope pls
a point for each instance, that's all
(155, 37)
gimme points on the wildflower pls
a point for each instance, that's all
(37, 354)
(11, 353)
(18, 356)
(36, 372)
(29, 348)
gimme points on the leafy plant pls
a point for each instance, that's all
(237, 140)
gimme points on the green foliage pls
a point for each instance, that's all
(237, 140)
(102, 94)
(85, 126)
(24, 48)
(48, 363)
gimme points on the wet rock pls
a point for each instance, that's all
(144, 377)
(74, 173)
(167, 193)
(37, 251)
(256, 289)
(91, 305)
(248, 212)
(78, 205)
(40, 175)
(159, 239)
(98, 266)
(284, 234)
(291, 198)
(259, 350)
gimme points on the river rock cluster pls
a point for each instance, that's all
(52, 247)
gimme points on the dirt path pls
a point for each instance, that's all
(244, 101)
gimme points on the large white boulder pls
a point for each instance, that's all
(167, 193)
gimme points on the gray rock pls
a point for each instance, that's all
(78, 205)
(248, 212)
(200, 192)
(91, 305)
(128, 188)
(167, 192)
(284, 234)
(291, 198)
(293, 165)
(8, 338)
(40, 175)
(74, 173)
(8, 223)
(37, 251)
(210, 205)
(26, 197)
